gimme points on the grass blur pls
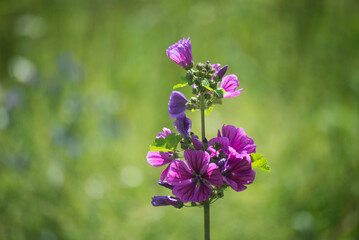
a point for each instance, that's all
(84, 87)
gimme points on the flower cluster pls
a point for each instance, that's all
(195, 170)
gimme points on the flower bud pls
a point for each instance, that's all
(189, 75)
(158, 201)
(200, 66)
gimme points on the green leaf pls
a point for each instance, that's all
(182, 83)
(209, 88)
(166, 144)
(259, 162)
(220, 93)
(159, 149)
(173, 140)
(179, 85)
(209, 110)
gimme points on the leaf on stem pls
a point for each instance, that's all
(166, 144)
(259, 162)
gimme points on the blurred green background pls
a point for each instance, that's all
(84, 87)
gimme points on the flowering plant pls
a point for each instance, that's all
(199, 171)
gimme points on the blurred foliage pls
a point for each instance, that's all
(84, 87)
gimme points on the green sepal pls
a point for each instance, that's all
(209, 110)
(166, 144)
(183, 82)
(259, 162)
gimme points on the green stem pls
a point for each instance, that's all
(206, 203)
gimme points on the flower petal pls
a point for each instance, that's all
(223, 141)
(183, 125)
(159, 159)
(177, 104)
(230, 83)
(197, 160)
(238, 139)
(163, 134)
(233, 94)
(213, 175)
(202, 192)
(165, 173)
(179, 173)
(185, 191)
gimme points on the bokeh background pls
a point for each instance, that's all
(84, 87)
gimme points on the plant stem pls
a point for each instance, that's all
(206, 203)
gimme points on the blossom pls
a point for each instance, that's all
(237, 171)
(158, 201)
(183, 125)
(181, 53)
(177, 104)
(159, 159)
(192, 178)
(237, 140)
(165, 132)
(229, 84)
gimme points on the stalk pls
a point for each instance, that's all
(206, 203)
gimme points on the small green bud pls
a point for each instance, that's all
(213, 85)
(194, 91)
(190, 82)
(189, 75)
(208, 66)
(207, 96)
(196, 81)
(204, 83)
(188, 67)
(200, 66)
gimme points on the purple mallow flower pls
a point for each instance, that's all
(183, 125)
(229, 84)
(181, 53)
(159, 159)
(237, 171)
(158, 201)
(192, 180)
(163, 134)
(177, 104)
(238, 139)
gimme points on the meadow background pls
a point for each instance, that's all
(84, 87)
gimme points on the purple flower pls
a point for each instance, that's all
(177, 104)
(159, 159)
(158, 201)
(183, 125)
(181, 53)
(163, 134)
(192, 180)
(197, 144)
(238, 139)
(237, 171)
(229, 84)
